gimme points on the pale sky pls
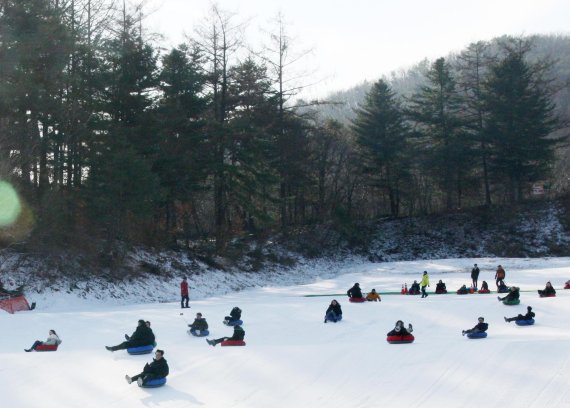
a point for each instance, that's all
(357, 40)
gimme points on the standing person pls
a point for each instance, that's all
(157, 369)
(424, 283)
(475, 276)
(500, 275)
(355, 291)
(334, 312)
(238, 335)
(53, 339)
(481, 326)
(184, 293)
(142, 336)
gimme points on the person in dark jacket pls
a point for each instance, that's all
(440, 287)
(184, 298)
(334, 312)
(514, 294)
(400, 330)
(481, 326)
(475, 275)
(414, 289)
(143, 336)
(528, 316)
(484, 286)
(235, 314)
(548, 290)
(199, 324)
(502, 288)
(238, 335)
(157, 369)
(462, 290)
(355, 291)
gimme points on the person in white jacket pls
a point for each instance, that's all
(53, 339)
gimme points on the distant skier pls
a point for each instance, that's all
(400, 330)
(184, 298)
(481, 326)
(199, 325)
(52, 340)
(373, 296)
(440, 287)
(514, 294)
(548, 290)
(142, 336)
(235, 314)
(155, 370)
(334, 312)
(355, 291)
(238, 335)
(414, 289)
(500, 275)
(528, 316)
(475, 275)
(424, 283)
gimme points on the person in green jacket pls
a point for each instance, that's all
(424, 283)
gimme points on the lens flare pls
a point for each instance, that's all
(10, 206)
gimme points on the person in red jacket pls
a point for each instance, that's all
(184, 293)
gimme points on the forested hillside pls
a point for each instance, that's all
(111, 141)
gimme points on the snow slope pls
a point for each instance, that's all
(292, 359)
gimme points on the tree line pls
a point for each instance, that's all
(109, 137)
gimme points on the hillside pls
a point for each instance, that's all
(537, 229)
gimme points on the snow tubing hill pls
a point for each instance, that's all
(234, 323)
(477, 335)
(15, 304)
(226, 343)
(157, 382)
(400, 339)
(528, 322)
(46, 347)
(357, 300)
(484, 291)
(202, 333)
(141, 350)
(511, 302)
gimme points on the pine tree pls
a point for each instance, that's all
(520, 120)
(382, 136)
(437, 110)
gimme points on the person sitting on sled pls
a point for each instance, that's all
(142, 336)
(238, 335)
(373, 296)
(400, 330)
(548, 290)
(155, 370)
(53, 339)
(481, 326)
(514, 294)
(528, 316)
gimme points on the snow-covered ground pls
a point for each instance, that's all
(292, 359)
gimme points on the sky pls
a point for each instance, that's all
(356, 40)
(293, 359)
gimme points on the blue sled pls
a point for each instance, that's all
(203, 333)
(233, 323)
(141, 350)
(529, 322)
(157, 382)
(477, 335)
